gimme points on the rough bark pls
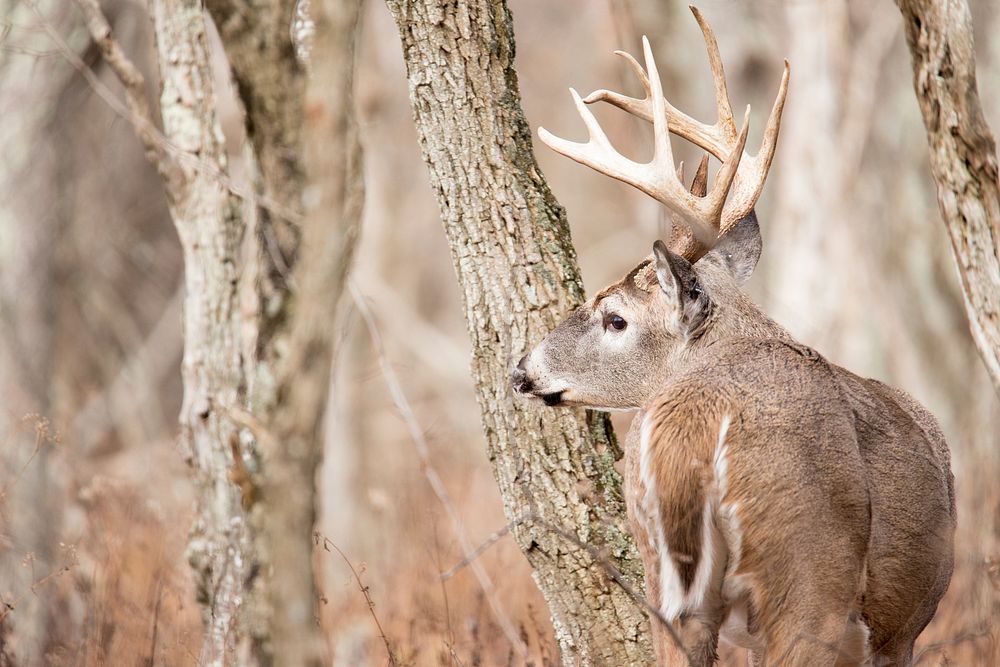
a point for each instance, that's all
(963, 158)
(292, 446)
(252, 542)
(210, 230)
(257, 38)
(517, 268)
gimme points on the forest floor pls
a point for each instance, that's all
(120, 590)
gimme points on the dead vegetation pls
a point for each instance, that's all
(113, 585)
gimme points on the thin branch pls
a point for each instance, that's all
(164, 152)
(601, 559)
(430, 472)
(131, 78)
(43, 436)
(327, 544)
(596, 554)
(7, 607)
(478, 551)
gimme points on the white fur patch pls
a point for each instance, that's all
(671, 591)
(706, 563)
(719, 462)
(673, 601)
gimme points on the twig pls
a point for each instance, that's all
(160, 150)
(601, 559)
(454, 656)
(327, 544)
(129, 75)
(475, 553)
(156, 620)
(444, 588)
(938, 646)
(437, 485)
(8, 606)
(42, 436)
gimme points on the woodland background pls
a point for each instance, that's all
(856, 263)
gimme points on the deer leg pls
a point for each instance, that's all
(697, 630)
(699, 637)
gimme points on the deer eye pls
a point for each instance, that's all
(615, 321)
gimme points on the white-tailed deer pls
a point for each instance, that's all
(778, 500)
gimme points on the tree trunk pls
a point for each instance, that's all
(252, 542)
(963, 158)
(517, 268)
(210, 230)
(257, 38)
(291, 449)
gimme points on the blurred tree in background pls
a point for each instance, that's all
(241, 227)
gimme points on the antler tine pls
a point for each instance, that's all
(770, 142)
(750, 181)
(593, 150)
(726, 123)
(704, 215)
(682, 240)
(661, 132)
(724, 179)
(699, 186)
(718, 139)
(656, 178)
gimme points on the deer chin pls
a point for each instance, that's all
(565, 398)
(551, 397)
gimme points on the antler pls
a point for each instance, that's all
(657, 178)
(721, 139)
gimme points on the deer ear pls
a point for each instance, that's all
(740, 248)
(679, 283)
(669, 271)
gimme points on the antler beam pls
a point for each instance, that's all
(656, 178)
(742, 176)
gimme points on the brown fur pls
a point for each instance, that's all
(836, 502)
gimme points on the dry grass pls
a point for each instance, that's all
(122, 593)
(119, 590)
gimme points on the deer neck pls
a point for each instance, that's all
(735, 317)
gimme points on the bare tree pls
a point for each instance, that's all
(963, 158)
(517, 268)
(292, 449)
(253, 421)
(208, 223)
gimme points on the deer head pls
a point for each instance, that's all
(618, 349)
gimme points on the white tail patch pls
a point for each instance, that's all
(673, 600)
(671, 590)
(720, 462)
(711, 546)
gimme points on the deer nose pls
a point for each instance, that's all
(519, 377)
